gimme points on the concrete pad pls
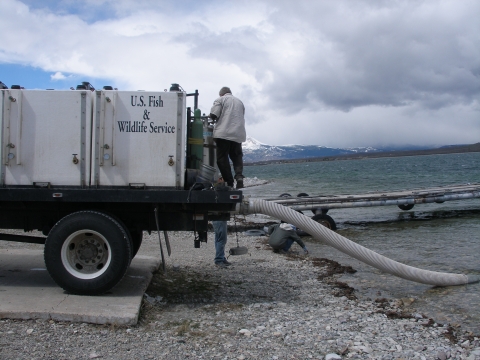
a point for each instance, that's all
(28, 292)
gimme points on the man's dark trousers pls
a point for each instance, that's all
(233, 150)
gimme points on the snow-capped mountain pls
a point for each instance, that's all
(254, 151)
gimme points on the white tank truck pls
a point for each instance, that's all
(93, 169)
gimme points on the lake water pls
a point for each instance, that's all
(439, 237)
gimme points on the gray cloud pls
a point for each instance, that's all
(334, 73)
(357, 53)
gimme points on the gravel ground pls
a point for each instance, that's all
(265, 306)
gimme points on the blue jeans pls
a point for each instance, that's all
(220, 228)
(288, 245)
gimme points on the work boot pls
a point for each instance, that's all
(239, 184)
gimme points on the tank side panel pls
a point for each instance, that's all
(46, 130)
(138, 137)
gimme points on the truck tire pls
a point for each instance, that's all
(326, 221)
(87, 253)
(406, 206)
(134, 237)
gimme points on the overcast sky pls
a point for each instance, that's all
(334, 73)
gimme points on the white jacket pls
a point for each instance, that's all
(230, 118)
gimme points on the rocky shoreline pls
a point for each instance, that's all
(265, 306)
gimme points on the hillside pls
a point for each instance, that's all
(349, 154)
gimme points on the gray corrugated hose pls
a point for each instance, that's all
(258, 206)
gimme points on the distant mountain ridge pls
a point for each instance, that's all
(254, 151)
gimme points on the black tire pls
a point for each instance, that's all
(87, 253)
(406, 206)
(325, 220)
(135, 236)
(302, 195)
(130, 234)
(285, 195)
(323, 211)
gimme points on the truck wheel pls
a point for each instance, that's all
(87, 253)
(134, 239)
(406, 206)
(326, 221)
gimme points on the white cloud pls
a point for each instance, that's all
(330, 73)
(58, 76)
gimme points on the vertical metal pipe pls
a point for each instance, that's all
(189, 135)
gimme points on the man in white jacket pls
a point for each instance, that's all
(229, 133)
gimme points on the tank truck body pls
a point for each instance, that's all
(93, 169)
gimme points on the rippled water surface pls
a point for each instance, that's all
(439, 237)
